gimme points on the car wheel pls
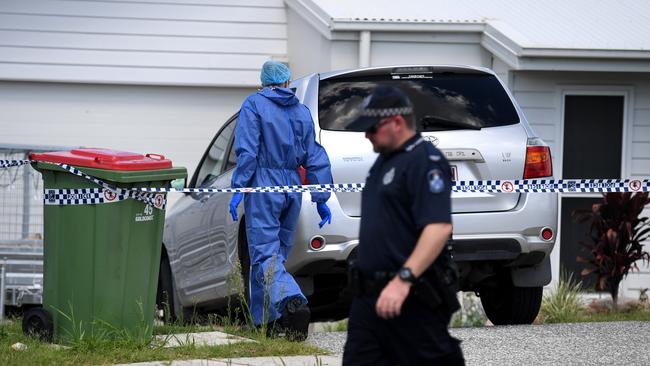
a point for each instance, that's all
(37, 322)
(166, 298)
(506, 304)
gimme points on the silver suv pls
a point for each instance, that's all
(501, 242)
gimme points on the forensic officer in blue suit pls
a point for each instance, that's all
(404, 280)
(274, 137)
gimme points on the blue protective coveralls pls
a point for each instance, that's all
(274, 137)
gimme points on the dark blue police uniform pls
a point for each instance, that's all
(405, 191)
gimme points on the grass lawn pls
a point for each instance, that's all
(101, 351)
(610, 316)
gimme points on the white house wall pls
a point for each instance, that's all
(308, 50)
(540, 94)
(178, 122)
(344, 54)
(398, 48)
(207, 42)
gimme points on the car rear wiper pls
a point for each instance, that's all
(429, 121)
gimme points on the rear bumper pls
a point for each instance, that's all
(512, 236)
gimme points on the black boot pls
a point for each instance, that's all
(295, 319)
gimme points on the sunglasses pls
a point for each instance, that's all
(377, 126)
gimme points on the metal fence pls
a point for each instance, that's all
(21, 227)
(21, 211)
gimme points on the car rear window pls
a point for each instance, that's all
(442, 101)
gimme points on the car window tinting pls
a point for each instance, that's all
(445, 101)
(216, 156)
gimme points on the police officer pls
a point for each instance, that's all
(402, 279)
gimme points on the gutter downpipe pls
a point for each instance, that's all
(364, 49)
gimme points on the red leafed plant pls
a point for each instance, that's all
(615, 238)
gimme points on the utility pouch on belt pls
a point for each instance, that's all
(354, 278)
(435, 288)
(445, 277)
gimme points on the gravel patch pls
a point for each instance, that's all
(331, 341)
(612, 343)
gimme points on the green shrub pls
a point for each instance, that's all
(563, 303)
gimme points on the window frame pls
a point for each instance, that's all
(231, 146)
(207, 150)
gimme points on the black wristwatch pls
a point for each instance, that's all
(405, 274)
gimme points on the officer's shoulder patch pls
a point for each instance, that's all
(436, 182)
(388, 177)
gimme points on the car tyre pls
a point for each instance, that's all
(244, 261)
(167, 299)
(506, 304)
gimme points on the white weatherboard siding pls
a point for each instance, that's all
(178, 122)
(205, 43)
(540, 94)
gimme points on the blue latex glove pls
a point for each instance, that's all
(325, 214)
(234, 202)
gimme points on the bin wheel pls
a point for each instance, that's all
(37, 322)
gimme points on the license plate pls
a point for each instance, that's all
(454, 173)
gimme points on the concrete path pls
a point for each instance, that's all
(252, 361)
(198, 339)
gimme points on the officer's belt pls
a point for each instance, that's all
(364, 285)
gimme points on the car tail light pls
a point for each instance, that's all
(303, 176)
(317, 243)
(547, 234)
(538, 160)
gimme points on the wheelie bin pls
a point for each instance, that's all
(101, 260)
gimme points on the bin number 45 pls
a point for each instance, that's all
(148, 210)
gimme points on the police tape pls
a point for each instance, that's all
(12, 163)
(85, 196)
(156, 197)
(91, 196)
(489, 186)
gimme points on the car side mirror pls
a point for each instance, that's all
(178, 183)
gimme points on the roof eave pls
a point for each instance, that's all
(313, 14)
(353, 25)
(510, 48)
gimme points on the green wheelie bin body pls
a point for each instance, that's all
(101, 261)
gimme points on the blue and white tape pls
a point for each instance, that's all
(84, 196)
(12, 163)
(91, 196)
(488, 186)
(116, 192)
(155, 196)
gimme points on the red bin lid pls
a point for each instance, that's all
(106, 159)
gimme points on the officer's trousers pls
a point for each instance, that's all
(418, 336)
